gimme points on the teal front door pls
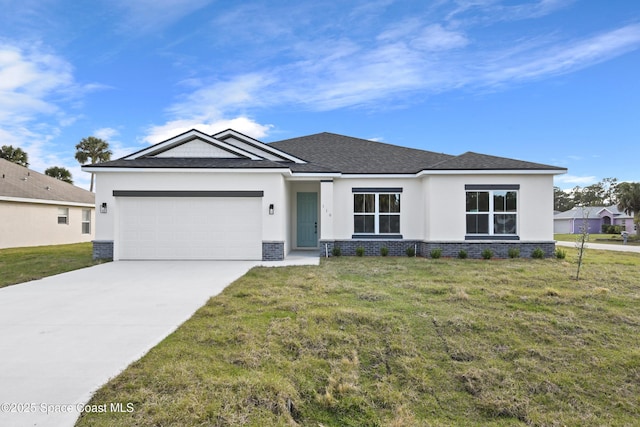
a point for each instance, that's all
(307, 220)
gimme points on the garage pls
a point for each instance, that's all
(189, 225)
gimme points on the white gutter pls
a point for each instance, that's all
(46, 202)
(94, 169)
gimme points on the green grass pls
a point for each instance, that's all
(613, 239)
(18, 265)
(400, 342)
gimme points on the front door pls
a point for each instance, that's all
(307, 220)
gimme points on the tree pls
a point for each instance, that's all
(561, 200)
(628, 194)
(583, 237)
(602, 193)
(62, 174)
(609, 186)
(94, 150)
(15, 155)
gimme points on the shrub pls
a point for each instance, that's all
(436, 253)
(336, 251)
(463, 254)
(487, 254)
(514, 253)
(411, 252)
(359, 251)
(611, 229)
(384, 251)
(537, 253)
(561, 254)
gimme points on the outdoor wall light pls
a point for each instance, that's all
(103, 207)
(271, 209)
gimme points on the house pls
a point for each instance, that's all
(39, 210)
(229, 196)
(595, 217)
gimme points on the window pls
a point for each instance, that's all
(492, 212)
(376, 213)
(63, 215)
(86, 221)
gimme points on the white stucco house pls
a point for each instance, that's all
(38, 210)
(229, 196)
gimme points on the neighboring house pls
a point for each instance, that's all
(595, 217)
(39, 210)
(229, 196)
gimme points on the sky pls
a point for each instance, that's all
(548, 81)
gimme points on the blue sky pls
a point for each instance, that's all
(549, 81)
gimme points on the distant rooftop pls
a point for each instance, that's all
(20, 182)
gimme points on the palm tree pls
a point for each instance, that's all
(15, 155)
(62, 174)
(629, 201)
(94, 149)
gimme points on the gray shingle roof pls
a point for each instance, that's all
(590, 212)
(329, 152)
(354, 155)
(20, 182)
(476, 161)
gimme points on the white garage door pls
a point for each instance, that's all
(561, 226)
(190, 228)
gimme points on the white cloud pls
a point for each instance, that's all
(381, 65)
(549, 60)
(214, 108)
(35, 88)
(172, 128)
(29, 77)
(436, 38)
(575, 180)
(108, 134)
(144, 16)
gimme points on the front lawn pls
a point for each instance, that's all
(399, 342)
(19, 265)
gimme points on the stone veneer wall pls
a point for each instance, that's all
(272, 251)
(500, 248)
(449, 249)
(371, 247)
(102, 249)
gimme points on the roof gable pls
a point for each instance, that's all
(247, 143)
(197, 148)
(18, 182)
(191, 143)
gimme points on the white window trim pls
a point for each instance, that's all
(83, 222)
(65, 216)
(492, 212)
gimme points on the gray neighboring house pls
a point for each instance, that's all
(39, 210)
(572, 221)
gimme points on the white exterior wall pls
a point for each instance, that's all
(272, 183)
(36, 224)
(446, 210)
(411, 205)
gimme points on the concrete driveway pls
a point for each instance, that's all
(603, 246)
(63, 337)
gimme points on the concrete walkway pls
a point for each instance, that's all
(64, 336)
(603, 246)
